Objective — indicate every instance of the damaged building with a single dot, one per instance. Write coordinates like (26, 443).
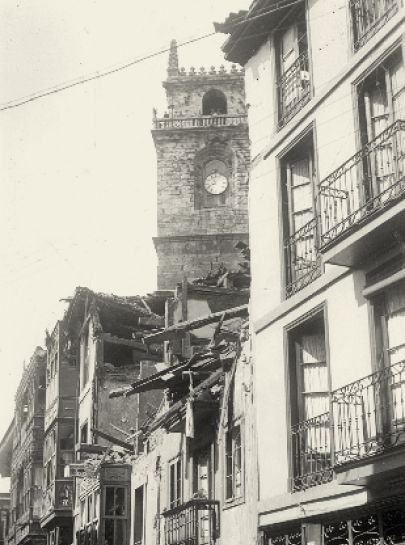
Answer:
(147, 402)
(27, 453)
(196, 481)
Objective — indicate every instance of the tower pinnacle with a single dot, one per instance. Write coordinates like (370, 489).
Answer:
(173, 68)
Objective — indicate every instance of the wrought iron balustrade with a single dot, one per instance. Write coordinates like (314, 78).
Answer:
(294, 89)
(302, 258)
(199, 121)
(311, 449)
(369, 16)
(369, 415)
(369, 181)
(193, 523)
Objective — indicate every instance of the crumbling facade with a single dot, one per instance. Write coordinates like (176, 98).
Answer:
(202, 148)
(196, 480)
(62, 372)
(26, 466)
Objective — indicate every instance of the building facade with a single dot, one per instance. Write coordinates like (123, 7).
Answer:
(327, 233)
(26, 463)
(202, 149)
(62, 373)
(196, 480)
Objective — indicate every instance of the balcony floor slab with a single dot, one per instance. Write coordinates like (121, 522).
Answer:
(384, 469)
(367, 239)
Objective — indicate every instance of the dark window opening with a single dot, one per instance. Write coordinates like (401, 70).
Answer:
(214, 103)
(138, 520)
(84, 433)
(24, 408)
(120, 356)
(86, 357)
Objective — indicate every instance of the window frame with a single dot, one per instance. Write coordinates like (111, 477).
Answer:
(177, 497)
(296, 18)
(293, 411)
(229, 459)
(115, 517)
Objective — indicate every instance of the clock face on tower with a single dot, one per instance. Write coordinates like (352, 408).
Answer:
(215, 183)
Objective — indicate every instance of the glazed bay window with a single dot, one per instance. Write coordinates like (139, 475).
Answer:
(115, 515)
(368, 16)
(299, 217)
(233, 463)
(293, 83)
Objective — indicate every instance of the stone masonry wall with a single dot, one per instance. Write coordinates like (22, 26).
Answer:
(177, 211)
(184, 94)
(193, 257)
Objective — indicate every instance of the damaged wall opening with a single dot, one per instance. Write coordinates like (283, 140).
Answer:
(120, 356)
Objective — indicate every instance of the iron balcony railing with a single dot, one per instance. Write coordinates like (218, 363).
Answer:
(193, 523)
(302, 258)
(311, 450)
(369, 415)
(369, 16)
(365, 184)
(199, 121)
(294, 89)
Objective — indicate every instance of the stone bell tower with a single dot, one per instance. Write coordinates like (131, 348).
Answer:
(202, 147)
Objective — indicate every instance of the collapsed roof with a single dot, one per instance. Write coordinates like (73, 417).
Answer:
(119, 316)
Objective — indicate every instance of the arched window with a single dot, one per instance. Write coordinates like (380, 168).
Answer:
(214, 102)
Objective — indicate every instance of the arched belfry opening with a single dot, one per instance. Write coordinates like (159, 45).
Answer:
(214, 102)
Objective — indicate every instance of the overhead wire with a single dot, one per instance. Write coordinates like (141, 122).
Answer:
(107, 72)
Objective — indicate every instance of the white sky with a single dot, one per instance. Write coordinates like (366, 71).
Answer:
(78, 168)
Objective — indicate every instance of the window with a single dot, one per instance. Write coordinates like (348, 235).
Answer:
(115, 515)
(202, 473)
(66, 447)
(233, 463)
(299, 216)
(214, 102)
(309, 397)
(386, 416)
(368, 17)
(85, 357)
(138, 518)
(293, 84)
(377, 527)
(175, 483)
(84, 435)
(381, 103)
(293, 537)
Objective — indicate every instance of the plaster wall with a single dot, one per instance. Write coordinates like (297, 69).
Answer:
(265, 237)
(261, 97)
(329, 50)
(349, 359)
(334, 120)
